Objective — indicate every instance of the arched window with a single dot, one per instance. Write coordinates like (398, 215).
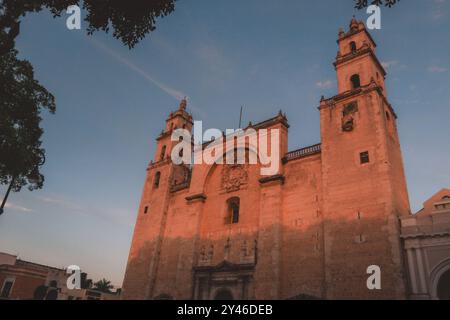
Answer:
(157, 178)
(355, 80)
(388, 117)
(163, 153)
(353, 46)
(233, 206)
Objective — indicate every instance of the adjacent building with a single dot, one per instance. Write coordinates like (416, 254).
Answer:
(19, 279)
(426, 237)
(24, 280)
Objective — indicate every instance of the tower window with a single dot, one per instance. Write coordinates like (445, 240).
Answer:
(146, 210)
(355, 80)
(364, 157)
(233, 206)
(353, 46)
(388, 116)
(163, 153)
(157, 178)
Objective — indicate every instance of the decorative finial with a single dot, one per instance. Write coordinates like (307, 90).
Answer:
(183, 104)
(354, 24)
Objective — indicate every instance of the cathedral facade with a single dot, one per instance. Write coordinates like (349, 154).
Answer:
(311, 230)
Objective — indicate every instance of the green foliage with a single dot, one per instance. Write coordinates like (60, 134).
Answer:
(22, 101)
(22, 98)
(130, 21)
(103, 286)
(360, 4)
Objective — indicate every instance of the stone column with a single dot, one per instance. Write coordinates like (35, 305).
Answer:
(412, 270)
(421, 271)
(267, 273)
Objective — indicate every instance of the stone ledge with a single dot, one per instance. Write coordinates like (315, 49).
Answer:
(278, 177)
(197, 197)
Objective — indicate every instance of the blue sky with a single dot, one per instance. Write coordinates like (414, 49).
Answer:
(264, 54)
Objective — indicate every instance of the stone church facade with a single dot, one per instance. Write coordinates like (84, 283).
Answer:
(311, 230)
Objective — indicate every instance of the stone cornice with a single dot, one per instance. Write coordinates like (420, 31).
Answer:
(153, 165)
(359, 53)
(164, 134)
(196, 197)
(326, 103)
(186, 116)
(279, 177)
(353, 32)
(280, 118)
(424, 235)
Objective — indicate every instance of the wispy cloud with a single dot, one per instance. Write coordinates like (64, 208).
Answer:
(389, 64)
(176, 94)
(120, 217)
(437, 69)
(438, 11)
(16, 207)
(325, 84)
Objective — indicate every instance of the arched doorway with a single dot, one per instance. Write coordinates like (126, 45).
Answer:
(223, 294)
(443, 289)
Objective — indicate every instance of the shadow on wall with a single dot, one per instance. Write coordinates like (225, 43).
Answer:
(275, 262)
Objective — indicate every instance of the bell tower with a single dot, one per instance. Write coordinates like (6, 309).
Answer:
(162, 176)
(179, 119)
(356, 63)
(364, 186)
